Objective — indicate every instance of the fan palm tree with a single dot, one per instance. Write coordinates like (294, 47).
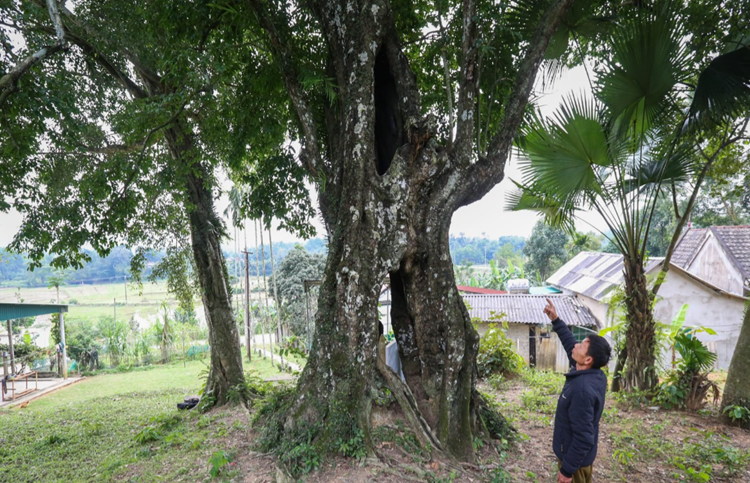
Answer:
(615, 153)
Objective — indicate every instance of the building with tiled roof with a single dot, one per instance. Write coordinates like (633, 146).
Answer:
(706, 273)
(719, 255)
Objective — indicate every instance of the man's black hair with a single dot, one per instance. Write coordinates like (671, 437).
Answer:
(599, 351)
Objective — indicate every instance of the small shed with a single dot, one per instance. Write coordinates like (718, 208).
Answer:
(530, 328)
(9, 311)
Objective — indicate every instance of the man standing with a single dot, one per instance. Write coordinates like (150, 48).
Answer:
(581, 403)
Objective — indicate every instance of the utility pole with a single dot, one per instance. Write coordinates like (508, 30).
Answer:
(10, 347)
(262, 322)
(265, 288)
(276, 304)
(248, 336)
(125, 282)
(61, 322)
(115, 310)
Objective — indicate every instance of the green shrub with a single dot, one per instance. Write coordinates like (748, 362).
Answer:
(216, 462)
(546, 382)
(688, 384)
(738, 414)
(496, 381)
(497, 354)
(536, 400)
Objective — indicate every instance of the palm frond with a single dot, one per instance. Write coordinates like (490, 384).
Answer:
(525, 15)
(564, 154)
(649, 59)
(723, 88)
(661, 166)
(557, 212)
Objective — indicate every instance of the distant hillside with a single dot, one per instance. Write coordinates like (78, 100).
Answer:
(482, 250)
(115, 267)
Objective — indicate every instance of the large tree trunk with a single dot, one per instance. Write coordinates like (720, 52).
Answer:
(397, 227)
(389, 195)
(206, 230)
(640, 342)
(737, 388)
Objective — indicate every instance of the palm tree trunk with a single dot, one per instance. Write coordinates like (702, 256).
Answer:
(640, 338)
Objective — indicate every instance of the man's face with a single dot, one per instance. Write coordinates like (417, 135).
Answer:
(580, 352)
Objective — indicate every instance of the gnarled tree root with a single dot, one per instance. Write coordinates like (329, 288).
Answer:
(408, 404)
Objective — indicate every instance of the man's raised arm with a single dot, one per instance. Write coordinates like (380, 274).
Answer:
(563, 332)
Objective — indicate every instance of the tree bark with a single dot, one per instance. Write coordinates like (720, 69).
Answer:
(640, 338)
(737, 388)
(206, 230)
(389, 195)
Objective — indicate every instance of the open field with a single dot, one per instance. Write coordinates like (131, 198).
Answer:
(95, 301)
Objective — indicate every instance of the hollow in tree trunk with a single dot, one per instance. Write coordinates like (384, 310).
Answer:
(387, 199)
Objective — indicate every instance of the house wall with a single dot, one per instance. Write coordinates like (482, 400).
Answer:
(714, 266)
(598, 309)
(518, 333)
(721, 313)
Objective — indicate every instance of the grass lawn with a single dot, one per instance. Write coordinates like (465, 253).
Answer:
(90, 431)
(155, 378)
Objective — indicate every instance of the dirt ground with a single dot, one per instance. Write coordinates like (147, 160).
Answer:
(636, 444)
(651, 429)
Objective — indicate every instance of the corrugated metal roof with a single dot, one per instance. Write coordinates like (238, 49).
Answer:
(19, 311)
(467, 289)
(593, 274)
(529, 309)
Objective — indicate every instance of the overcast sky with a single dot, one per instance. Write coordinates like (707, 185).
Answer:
(487, 217)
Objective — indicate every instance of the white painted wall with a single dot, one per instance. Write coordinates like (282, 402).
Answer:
(714, 266)
(598, 309)
(722, 313)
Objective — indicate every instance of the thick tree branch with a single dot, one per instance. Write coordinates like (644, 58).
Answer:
(128, 84)
(148, 75)
(480, 177)
(312, 159)
(468, 84)
(54, 15)
(728, 140)
(9, 81)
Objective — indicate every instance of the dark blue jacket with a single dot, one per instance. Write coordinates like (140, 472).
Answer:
(579, 409)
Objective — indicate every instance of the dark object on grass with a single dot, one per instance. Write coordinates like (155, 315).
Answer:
(190, 402)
